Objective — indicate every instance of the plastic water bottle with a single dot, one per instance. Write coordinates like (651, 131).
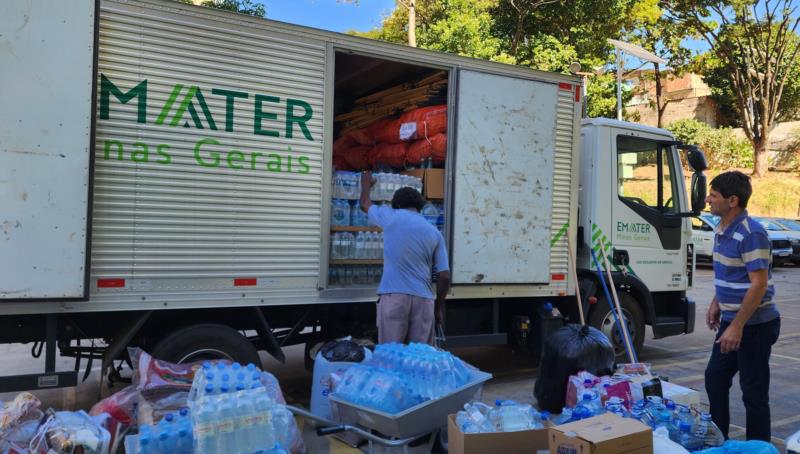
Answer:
(205, 434)
(665, 420)
(225, 415)
(709, 432)
(361, 240)
(684, 414)
(465, 424)
(687, 439)
(183, 444)
(244, 422)
(430, 213)
(264, 430)
(281, 423)
(565, 417)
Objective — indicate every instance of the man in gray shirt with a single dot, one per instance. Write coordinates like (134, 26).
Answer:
(412, 249)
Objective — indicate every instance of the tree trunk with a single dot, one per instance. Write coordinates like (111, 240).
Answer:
(761, 158)
(412, 24)
(659, 108)
(517, 34)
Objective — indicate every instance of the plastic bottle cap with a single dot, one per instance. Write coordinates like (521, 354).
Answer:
(183, 411)
(209, 388)
(498, 402)
(237, 366)
(207, 365)
(144, 440)
(548, 306)
(163, 436)
(169, 417)
(224, 388)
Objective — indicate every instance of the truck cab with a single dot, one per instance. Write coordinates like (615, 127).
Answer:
(634, 207)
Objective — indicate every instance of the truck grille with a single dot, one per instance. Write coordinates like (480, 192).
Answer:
(781, 244)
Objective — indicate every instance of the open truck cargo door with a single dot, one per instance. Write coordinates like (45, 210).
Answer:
(503, 179)
(46, 147)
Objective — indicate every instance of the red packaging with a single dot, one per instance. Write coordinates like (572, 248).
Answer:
(434, 147)
(421, 123)
(392, 155)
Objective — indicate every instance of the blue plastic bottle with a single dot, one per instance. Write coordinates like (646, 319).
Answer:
(687, 439)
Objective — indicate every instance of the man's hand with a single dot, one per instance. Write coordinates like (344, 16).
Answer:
(438, 312)
(366, 179)
(713, 315)
(730, 339)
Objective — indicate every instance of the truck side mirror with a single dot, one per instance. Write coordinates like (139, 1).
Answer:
(696, 158)
(698, 192)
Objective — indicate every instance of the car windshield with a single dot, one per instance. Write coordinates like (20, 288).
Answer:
(790, 224)
(769, 225)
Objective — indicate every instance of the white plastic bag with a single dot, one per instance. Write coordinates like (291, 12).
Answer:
(663, 445)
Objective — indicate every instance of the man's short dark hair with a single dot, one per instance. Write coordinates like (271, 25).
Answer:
(408, 198)
(733, 183)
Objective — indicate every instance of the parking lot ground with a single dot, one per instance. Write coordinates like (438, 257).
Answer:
(681, 358)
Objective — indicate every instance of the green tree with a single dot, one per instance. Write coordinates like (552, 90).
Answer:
(660, 34)
(238, 6)
(755, 42)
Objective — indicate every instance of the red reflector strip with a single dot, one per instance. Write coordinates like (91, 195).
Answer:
(558, 277)
(577, 93)
(565, 86)
(244, 281)
(110, 283)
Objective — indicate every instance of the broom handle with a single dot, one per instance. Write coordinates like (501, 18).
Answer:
(626, 336)
(574, 270)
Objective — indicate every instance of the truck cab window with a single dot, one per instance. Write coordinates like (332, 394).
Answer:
(644, 174)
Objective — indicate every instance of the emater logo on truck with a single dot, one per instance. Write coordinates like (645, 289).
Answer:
(207, 150)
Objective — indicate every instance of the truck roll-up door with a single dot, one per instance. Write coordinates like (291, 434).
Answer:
(47, 56)
(503, 179)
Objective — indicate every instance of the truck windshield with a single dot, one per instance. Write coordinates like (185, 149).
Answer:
(645, 173)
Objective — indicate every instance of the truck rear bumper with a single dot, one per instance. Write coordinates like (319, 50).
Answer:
(680, 322)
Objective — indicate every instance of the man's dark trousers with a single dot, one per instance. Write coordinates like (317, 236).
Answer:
(751, 361)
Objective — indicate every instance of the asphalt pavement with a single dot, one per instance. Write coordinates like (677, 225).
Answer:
(681, 358)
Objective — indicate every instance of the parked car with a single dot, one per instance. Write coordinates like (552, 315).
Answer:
(781, 238)
(792, 228)
(703, 235)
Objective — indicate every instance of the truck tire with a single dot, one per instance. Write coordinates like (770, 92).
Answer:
(602, 318)
(206, 341)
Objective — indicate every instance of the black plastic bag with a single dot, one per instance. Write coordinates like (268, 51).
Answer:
(567, 351)
(342, 350)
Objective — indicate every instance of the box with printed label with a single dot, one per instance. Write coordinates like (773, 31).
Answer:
(432, 182)
(604, 434)
(522, 442)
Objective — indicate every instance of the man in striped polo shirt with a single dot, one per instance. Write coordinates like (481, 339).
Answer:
(742, 311)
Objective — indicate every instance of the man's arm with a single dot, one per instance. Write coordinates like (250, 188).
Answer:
(732, 337)
(366, 185)
(713, 315)
(442, 287)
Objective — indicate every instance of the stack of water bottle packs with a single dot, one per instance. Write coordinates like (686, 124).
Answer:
(230, 411)
(505, 416)
(399, 376)
(694, 431)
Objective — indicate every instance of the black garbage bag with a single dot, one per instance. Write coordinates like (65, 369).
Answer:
(567, 351)
(342, 350)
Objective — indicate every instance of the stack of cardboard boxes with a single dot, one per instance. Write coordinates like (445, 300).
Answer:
(603, 434)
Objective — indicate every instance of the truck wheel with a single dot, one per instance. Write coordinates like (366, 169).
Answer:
(206, 341)
(603, 319)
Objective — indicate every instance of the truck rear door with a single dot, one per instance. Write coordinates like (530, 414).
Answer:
(46, 146)
(503, 179)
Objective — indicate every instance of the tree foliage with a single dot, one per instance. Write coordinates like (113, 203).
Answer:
(756, 44)
(723, 149)
(238, 6)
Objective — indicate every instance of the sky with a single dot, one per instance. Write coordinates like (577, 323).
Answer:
(333, 15)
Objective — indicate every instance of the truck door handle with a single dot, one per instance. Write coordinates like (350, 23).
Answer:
(620, 257)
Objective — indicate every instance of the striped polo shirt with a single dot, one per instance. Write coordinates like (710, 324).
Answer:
(742, 247)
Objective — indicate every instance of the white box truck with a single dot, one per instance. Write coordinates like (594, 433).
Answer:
(166, 175)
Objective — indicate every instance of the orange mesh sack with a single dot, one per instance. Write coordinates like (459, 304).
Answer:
(343, 143)
(363, 136)
(339, 163)
(389, 154)
(423, 122)
(434, 147)
(358, 158)
(385, 131)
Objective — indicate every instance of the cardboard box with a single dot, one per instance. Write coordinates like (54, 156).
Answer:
(432, 182)
(604, 434)
(522, 442)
